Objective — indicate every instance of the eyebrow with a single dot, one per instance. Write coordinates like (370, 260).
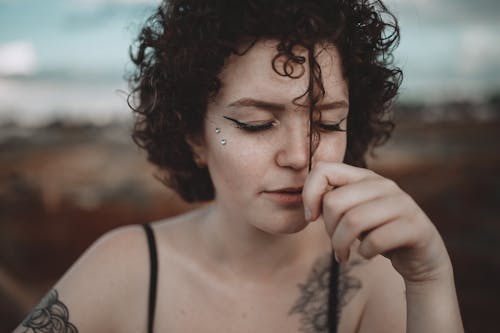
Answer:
(269, 106)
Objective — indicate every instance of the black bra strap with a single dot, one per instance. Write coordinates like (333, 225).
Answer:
(333, 313)
(153, 276)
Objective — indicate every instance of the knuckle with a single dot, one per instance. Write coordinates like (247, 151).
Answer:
(408, 198)
(390, 184)
(351, 221)
(408, 202)
(427, 230)
(419, 235)
(370, 174)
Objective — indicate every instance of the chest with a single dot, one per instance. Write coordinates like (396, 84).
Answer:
(192, 305)
(213, 310)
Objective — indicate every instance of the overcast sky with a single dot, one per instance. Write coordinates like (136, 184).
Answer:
(450, 49)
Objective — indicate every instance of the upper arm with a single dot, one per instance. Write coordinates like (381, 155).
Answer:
(102, 290)
(385, 308)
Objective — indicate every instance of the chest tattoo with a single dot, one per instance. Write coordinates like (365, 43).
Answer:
(51, 315)
(312, 304)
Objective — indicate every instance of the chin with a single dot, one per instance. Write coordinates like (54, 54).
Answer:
(296, 228)
(284, 226)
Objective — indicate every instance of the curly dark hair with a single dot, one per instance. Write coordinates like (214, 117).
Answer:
(184, 45)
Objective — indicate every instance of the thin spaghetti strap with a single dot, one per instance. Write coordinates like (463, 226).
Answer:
(153, 276)
(333, 313)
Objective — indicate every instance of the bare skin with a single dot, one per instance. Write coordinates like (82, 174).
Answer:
(255, 259)
(193, 286)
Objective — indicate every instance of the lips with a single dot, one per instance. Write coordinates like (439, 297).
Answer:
(290, 190)
(288, 196)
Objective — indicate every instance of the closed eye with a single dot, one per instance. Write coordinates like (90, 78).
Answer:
(261, 127)
(250, 127)
(332, 127)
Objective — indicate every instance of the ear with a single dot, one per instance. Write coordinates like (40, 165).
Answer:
(197, 145)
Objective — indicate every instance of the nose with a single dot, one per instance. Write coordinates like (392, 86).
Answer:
(293, 149)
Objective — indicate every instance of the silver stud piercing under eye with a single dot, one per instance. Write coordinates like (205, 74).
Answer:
(222, 141)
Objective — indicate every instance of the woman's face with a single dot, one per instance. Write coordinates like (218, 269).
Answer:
(256, 142)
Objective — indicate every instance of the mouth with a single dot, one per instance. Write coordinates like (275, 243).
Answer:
(288, 196)
(287, 190)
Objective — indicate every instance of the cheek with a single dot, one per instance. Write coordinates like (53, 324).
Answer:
(331, 148)
(238, 164)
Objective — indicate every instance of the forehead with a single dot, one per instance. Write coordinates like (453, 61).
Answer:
(252, 75)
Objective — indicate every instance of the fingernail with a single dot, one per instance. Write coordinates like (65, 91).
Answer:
(307, 213)
(336, 257)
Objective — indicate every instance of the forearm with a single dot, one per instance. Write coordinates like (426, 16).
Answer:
(433, 307)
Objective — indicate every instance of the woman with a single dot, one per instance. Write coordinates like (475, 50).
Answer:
(266, 109)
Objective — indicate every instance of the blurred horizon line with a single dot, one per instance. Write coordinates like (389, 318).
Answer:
(404, 112)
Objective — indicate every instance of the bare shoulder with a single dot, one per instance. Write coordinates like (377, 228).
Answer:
(384, 295)
(104, 290)
(180, 236)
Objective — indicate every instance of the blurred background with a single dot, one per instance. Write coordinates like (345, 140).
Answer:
(69, 171)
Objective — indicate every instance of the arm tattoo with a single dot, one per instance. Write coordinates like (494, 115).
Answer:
(312, 304)
(50, 316)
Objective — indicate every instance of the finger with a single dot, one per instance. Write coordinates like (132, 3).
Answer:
(322, 178)
(335, 203)
(396, 234)
(364, 219)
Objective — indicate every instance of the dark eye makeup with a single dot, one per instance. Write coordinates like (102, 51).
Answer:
(250, 127)
(255, 128)
(332, 127)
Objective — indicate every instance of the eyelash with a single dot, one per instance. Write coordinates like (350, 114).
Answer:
(332, 127)
(251, 128)
(256, 128)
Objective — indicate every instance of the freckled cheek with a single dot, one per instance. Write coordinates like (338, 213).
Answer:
(241, 163)
(331, 149)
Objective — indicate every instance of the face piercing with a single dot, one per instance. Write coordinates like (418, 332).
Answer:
(223, 142)
(217, 130)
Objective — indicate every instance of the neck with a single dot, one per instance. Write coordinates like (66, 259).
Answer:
(255, 255)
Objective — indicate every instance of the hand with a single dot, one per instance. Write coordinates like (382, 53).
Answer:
(358, 203)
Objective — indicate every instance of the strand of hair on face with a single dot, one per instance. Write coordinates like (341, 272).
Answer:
(311, 103)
